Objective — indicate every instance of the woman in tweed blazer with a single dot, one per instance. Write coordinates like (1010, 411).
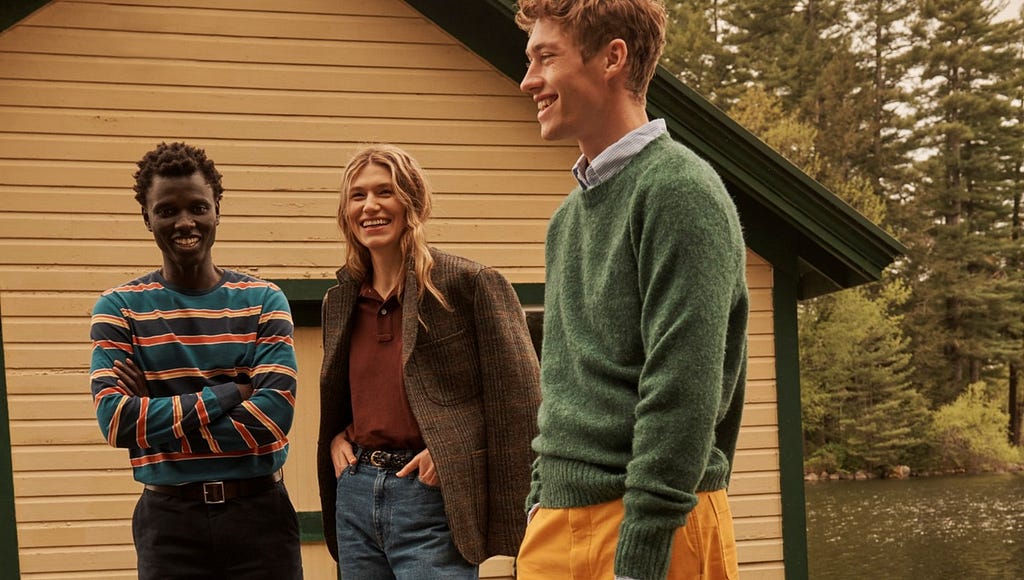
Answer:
(470, 377)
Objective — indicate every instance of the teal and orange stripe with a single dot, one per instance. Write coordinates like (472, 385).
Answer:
(109, 319)
(275, 339)
(184, 455)
(275, 368)
(177, 416)
(140, 425)
(204, 339)
(113, 344)
(264, 419)
(275, 315)
(188, 313)
(249, 284)
(193, 372)
(244, 433)
(135, 288)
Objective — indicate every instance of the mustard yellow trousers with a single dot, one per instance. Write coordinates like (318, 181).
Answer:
(579, 543)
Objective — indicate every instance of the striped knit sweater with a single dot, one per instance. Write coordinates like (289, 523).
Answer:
(194, 347)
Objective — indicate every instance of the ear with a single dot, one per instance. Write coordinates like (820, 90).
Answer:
(145, 218)
(615, 56)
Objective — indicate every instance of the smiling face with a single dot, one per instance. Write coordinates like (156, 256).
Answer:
(570, 93)
(183, 216)
(374, 212)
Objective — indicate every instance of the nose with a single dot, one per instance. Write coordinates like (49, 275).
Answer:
(531, 81)
(184, 222)
(372, 202)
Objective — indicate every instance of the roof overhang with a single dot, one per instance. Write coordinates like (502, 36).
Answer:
(836, 246)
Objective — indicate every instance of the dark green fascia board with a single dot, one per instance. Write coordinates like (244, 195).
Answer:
(839, 246)
(14, 11)
(785, 293)
(305, 296)
(825, 223)
(8, 523)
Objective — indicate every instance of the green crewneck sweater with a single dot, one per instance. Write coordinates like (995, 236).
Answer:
(644, 349)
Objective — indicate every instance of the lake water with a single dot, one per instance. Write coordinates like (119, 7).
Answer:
(966, 526)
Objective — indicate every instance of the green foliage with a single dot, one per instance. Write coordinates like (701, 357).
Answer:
(970, 433)
(859, 407)
(912, 111)
(965, 316)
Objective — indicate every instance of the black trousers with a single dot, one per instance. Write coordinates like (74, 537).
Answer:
(255, 537)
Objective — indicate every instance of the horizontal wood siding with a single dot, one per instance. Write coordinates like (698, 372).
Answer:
(279, 94)
(754, 492)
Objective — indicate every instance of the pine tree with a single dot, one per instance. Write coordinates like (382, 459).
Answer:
(963, 308)
(693, 49)
(855, 387)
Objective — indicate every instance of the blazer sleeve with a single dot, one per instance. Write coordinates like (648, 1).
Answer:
(510, 376)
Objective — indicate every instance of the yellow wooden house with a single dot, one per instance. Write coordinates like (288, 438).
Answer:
(279, 93)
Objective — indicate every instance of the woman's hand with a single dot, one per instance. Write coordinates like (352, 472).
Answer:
(425, 465)
(341, 454)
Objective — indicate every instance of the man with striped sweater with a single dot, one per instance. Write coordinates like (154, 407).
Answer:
(193, 371)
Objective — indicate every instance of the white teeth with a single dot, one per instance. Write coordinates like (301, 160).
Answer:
(187, 242)
(376, 222)
(545, 103)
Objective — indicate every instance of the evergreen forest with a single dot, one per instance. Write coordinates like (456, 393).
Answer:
(912, 111)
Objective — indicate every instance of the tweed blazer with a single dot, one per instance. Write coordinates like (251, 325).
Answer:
(472, 379)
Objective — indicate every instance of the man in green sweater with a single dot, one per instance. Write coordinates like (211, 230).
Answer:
(646, 304)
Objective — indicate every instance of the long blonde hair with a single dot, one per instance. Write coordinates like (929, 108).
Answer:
(410, 188)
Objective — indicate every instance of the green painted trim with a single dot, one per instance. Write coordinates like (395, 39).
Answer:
(530, 293)
(758, 171)
(8, 523)
(840, 246)
(311, 526)
(305, 296)
(791, 461)
(14, 11)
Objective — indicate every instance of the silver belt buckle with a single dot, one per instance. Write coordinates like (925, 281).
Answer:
(213, 492)
(379, 458)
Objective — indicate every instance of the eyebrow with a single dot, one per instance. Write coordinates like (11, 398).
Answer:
(539, 47)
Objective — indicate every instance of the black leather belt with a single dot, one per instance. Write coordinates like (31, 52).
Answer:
(384, 459)
(214, 492)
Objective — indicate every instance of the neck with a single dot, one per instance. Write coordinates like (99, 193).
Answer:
(388, 271)
(625, 116)
(199, 277)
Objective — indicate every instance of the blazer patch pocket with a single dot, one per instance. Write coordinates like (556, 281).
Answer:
(448, 369)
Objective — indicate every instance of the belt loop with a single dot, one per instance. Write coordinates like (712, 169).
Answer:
(359, 456)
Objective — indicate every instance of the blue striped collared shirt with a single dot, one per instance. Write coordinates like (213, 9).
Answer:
(617, 155)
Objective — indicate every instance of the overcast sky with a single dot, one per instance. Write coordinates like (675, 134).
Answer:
(1012, 9)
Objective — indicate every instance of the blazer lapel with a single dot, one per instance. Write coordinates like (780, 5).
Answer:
(410, 313)
(339, 317)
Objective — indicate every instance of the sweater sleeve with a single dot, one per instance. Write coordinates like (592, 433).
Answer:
(690, 254)
(216, 411)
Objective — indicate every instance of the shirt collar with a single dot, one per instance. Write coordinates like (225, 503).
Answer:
(610, 161)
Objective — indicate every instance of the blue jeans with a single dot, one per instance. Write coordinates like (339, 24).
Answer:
(394, 528)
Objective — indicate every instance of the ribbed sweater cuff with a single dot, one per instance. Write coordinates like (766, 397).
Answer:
(643, 552)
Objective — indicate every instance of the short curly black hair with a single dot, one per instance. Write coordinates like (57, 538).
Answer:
(175, 160)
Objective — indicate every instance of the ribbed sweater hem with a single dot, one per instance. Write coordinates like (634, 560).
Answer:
(570, 483)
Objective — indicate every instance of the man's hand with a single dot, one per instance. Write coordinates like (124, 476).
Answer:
(131, 377)
(425, 465)
(341, 454)
(245, 390)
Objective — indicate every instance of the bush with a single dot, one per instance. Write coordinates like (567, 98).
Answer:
(970, 433)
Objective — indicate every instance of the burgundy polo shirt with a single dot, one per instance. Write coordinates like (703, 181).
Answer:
(381, 416)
